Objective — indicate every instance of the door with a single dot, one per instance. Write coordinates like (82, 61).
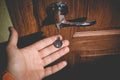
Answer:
(85, 42)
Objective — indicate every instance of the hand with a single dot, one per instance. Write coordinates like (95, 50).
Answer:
(29, 63)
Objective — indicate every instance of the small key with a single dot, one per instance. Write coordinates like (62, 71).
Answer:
(58, 43)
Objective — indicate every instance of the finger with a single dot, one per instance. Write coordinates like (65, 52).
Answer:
(50, 49)
(53, 57)
(55, 68)
(45, 42)
(13, 39)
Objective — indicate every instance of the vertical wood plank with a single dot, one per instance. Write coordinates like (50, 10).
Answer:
(21, 12)
(105, 12)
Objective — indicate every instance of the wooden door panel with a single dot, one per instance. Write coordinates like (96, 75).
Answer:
(104, 12)
(102, 40)
(21, 13)
(28, 15)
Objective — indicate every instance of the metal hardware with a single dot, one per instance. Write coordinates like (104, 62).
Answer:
(58, 43)
(56, 15)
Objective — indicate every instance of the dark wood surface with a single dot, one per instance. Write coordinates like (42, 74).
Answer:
(27, 17)
(94, 57)
(22, 16)
(104, 68)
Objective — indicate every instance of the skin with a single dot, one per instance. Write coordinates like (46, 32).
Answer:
(29, 63)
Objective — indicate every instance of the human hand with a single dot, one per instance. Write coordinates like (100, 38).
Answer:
(29, 63)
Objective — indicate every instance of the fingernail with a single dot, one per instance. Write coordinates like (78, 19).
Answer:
(65, 63)
(67, 42)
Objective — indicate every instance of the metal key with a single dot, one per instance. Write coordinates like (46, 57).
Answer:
(58, 43)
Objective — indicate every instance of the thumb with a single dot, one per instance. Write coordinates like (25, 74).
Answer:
(13, 38)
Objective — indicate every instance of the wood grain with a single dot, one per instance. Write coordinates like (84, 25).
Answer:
(103, 38)
(96, 33)
(21, 13)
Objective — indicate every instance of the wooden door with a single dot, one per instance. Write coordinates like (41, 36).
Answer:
(86, 43)
(97, 40)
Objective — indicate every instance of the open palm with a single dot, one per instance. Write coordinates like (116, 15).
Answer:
(29, 63)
